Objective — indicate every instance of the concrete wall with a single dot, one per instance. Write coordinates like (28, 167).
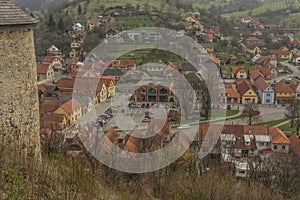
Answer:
(19, 115)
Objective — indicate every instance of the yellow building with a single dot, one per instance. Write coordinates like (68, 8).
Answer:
(285, 92)
(247, 93)
(72, 110)
(110, 85)
(252, 49)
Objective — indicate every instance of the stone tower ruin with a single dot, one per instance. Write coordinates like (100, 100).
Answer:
(19, 115)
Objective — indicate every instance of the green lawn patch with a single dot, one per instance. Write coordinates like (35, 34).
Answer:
(271, 123)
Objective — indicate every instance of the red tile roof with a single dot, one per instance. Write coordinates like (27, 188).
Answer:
(254, 73)
(295, 42)
(232, 91)
(133, 143)
(253, 39)
(65, 83)
(261, 84)
(48, 59)
(279, 52)
(49, 105)
(70, 106)
(278, 137)
(283, 87)
(42, 68)
(236, 69)
(251, 46)
(243, 87)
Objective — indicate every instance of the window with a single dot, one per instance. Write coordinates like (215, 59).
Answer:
(283, 147)
(275, 146)
(268, 95)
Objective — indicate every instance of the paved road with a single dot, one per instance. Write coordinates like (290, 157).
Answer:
(292, 68)
(267, 113)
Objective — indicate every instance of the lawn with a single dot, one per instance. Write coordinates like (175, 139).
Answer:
(287, 129)
(297, 35)
(222, 113)
(271, 123)
(133, 22)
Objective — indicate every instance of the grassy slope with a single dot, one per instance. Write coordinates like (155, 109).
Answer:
(268, 5)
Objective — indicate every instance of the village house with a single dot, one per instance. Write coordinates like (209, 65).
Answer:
(75, 45)
(231, 95)
(207, 47)
(72, 110)
(265, 91)
(92, 24)
(297, 92)
(268, 73)
(194, 22)
(45, 73)
(73, 53)
(123, 64)
(247, 93)
(75, 34)
(77, 27)
(209, 33)
(245, 19)
(73, 66)
(282, 54)
(53, 51)
(238, 72)
(285, 92)
(110, 33)
(110, 85)
(254, 41)
(240, 144)
(252, 49)
(54, 62)
(65, 84)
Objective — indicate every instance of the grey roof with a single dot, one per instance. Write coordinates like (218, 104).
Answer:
(10, 14)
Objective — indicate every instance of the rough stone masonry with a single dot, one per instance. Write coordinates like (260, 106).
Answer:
(19, 115)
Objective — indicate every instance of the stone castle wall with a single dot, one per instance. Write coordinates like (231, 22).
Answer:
(19, 115)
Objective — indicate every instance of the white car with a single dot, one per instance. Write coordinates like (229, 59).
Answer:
(184, 126)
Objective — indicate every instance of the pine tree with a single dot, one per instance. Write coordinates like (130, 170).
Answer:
(51, 22)
(79, 10)
(60, 25)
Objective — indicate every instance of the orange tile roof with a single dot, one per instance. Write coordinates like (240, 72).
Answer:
(42, 68)
(278, 137)
(70, 106)
(236, 69)
(232, 91)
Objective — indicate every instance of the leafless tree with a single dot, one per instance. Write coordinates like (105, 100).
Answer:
(251, 113)
(293, 113)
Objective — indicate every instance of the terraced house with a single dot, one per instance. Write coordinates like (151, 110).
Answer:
(247, 92)
(285, 92)
(242, 145)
